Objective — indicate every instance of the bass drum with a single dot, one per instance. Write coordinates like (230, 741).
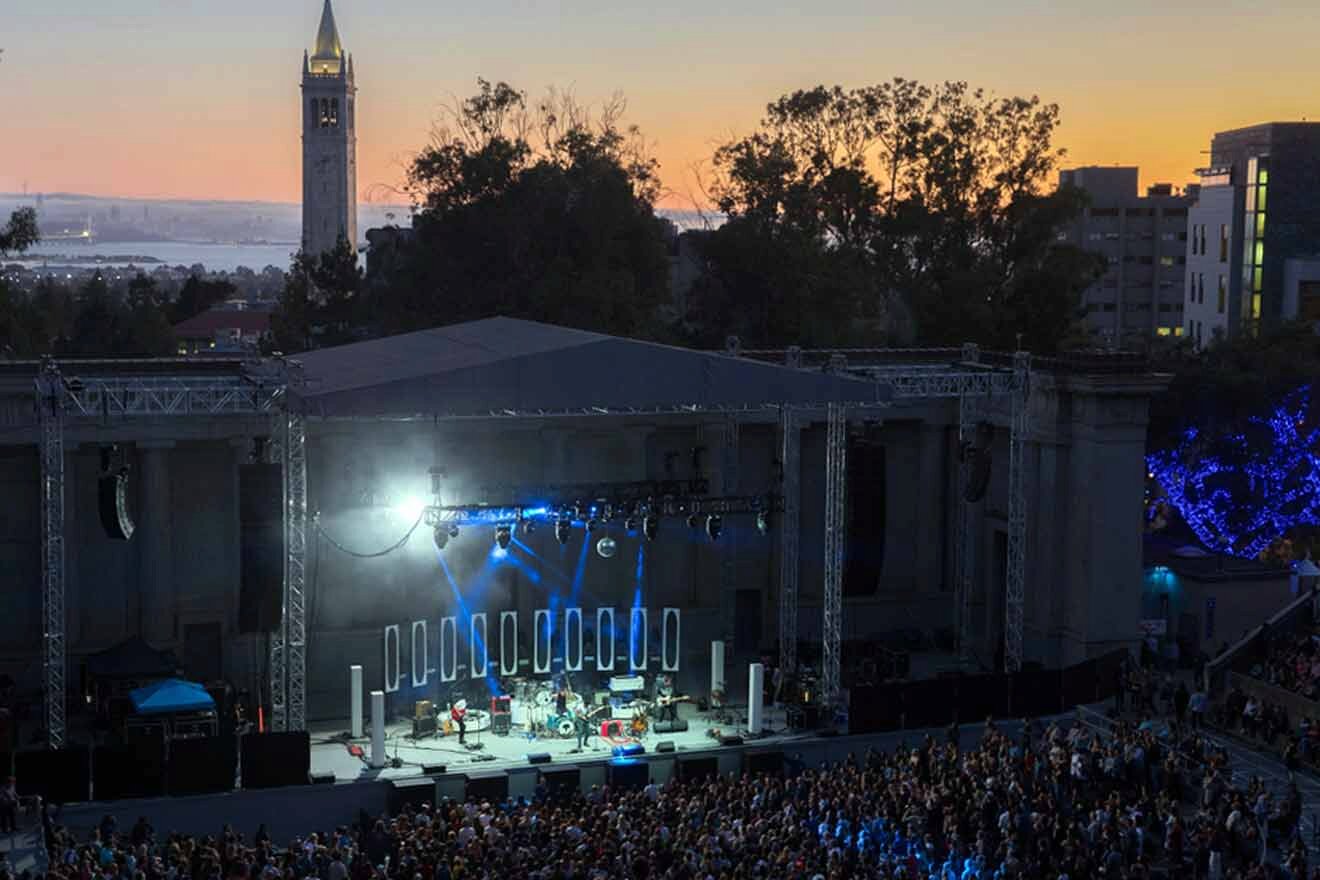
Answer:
(564, 727)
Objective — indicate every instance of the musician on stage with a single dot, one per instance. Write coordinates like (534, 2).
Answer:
(582, 727)
(458, 712)
(561, 699)
(663, 697)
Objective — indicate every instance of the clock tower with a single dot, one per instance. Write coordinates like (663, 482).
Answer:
(329, 142)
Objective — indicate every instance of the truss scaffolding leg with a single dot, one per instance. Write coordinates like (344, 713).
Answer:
(790, 462)
(279, 690)
(295, 629)
(1017, 515)
(50, 402)
(836, 453)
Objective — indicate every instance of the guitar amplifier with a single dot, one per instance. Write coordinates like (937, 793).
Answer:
(422, 709)
(501, 705)
(500, 723)
(424, 727)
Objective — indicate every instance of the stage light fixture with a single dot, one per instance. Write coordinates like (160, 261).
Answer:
(411, 508)
(606, 547)
(763, 522)
(694, 520)
(650, 525)
(630, 524)
(563, 531)
(503, 536)
(453, 531)
(441, 537)
(592, 525)
(526, 526)
(715, 527)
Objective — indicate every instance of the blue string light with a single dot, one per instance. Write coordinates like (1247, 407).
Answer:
(1241, 492)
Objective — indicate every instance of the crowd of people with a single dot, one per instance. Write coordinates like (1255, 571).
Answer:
(1056, 802)
(1293, 664)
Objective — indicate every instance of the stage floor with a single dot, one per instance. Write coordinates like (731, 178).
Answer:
(333, 750)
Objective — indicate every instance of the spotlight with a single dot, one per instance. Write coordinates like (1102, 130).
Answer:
(714, 526)
(630, 524)
(441, 537)
(503, 536)
(694, 521)
(411, 508)
(453, 531)
(526, 526)
(763, 522)
(592, 525)
(563, 530)
(606, 547)
(650, 525)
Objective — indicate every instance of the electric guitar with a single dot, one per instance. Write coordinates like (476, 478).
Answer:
(669, 701)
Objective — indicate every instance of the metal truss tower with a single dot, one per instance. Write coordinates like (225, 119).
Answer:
(288, 642)
(791, 464)
(836, 469)
(50, 413)
(64, 400)
(1017, 513)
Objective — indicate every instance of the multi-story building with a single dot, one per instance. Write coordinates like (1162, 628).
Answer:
(1253, 255)
(1142, 238)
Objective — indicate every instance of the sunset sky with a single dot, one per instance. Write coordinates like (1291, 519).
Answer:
(199, 98)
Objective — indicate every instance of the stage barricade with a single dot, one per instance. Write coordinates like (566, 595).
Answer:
(273, 760)
(875, 708)
(981, 697)
(928, 703)
(697, 767)
(562, 781)
(1036, 692)
(1080, 683)
(204, 765)
(411, 793)
(628, 773)
(60, 777)
(129, 771)
(493, 787)
(769, 762)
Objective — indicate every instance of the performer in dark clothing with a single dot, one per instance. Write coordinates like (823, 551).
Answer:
(667, 708)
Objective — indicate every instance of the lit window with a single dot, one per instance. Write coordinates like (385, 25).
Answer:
(1166, 331)
(1259, 256)
(1260, 224)
(1223, 243)
(1166, 261)
(1177, 331)
(1255, 306)
(1260, 198)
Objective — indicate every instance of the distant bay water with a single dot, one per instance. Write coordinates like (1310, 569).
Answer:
(213, 256)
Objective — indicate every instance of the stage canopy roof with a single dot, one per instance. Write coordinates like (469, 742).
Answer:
(505, 366)
(169, 696)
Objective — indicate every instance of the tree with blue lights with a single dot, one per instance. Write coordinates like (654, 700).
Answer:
(1242, 490)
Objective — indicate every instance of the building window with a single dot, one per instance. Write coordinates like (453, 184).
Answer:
(1175, 212)
(1095, 236)
(1104, 212)
(1164, 331)
(1200, 288)
(1109, 307)
(1223, 295)
(1166, 261)
(1223, 242)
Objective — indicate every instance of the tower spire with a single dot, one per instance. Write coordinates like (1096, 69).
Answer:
(327, 45)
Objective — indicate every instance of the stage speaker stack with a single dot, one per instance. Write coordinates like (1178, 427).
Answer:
(112, 502)
(261, 547)
(717, 667)
(755, 696)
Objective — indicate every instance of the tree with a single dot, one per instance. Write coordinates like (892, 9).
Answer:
(20, 233)
(320, 303)
(199, 294)
(544, 212)
(902, 209)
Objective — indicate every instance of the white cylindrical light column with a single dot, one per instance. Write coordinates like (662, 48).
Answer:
(755, 687)
(717, 669)
(377, 728)
(355, 700)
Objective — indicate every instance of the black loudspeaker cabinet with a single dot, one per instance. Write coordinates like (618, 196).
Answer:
(493, 788)
(112, 503)
(764, 762)
(696, 768)
(679, 726)
(562, 780)
(261, 547)
(538, 758)
(666, 745)
(60, 777)
(203, 765)
(272, 760)
(499, 724)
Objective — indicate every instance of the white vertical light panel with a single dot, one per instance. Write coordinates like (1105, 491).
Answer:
(508, 643)
(671, 632)
(572, 635)
(377, 729)
(717, 669)
(478, 654)
(355, 701)
(637, 627)
(755, 688)
(448, 648)
(393, 674)
(604, 631)
(541, 621)
(424, 653)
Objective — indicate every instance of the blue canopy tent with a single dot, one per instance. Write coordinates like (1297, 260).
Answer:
(171, 697)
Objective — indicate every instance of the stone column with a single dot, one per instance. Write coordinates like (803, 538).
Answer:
(158, 602)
